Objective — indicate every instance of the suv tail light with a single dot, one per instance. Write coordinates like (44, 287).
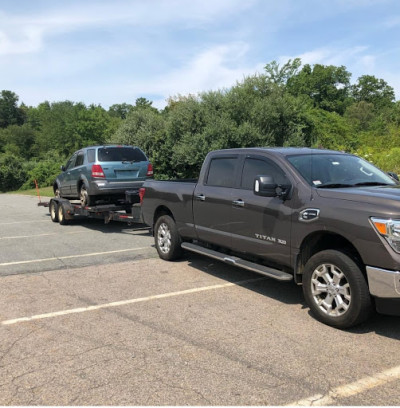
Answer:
(142, 190)
(149, 170)
(97, 171)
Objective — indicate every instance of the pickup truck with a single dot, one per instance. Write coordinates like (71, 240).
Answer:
(328, 220)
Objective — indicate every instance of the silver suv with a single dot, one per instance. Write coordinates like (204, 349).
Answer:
(100, 172)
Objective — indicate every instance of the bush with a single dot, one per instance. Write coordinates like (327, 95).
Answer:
(44, 172)
(12, 172)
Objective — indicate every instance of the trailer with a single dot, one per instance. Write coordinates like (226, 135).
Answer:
(128, 210)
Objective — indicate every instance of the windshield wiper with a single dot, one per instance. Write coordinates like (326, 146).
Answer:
(334, 185)
(372, 183)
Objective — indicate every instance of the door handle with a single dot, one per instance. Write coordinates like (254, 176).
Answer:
(238, 203)
(201, 197)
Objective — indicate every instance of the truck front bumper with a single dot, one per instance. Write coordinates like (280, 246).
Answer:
(384, 285)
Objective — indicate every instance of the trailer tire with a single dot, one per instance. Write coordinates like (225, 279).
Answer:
(61, 215)
(53, 209)
(167, 239)
(336, 290)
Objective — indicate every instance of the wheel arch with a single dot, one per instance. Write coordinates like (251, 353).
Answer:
(160, 211)
(322, 240)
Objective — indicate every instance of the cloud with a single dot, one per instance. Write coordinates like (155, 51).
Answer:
(215, 68)
(26, 33)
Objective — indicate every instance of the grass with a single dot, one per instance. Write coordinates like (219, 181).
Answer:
(44, 192)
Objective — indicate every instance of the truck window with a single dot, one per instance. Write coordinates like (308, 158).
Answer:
(221, 172)
(260, 167)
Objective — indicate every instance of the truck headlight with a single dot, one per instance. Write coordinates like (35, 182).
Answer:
(390, 230)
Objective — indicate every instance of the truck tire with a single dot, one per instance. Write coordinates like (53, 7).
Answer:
(167, 239)
(53, 209)
(336, 290)
(61, 214)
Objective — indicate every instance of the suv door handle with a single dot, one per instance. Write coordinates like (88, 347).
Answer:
(238, 203)
(201, 197)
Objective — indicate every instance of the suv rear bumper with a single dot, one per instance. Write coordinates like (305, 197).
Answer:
(384, 285)
(105, 187)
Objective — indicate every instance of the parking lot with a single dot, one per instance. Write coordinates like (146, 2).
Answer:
(91, 316)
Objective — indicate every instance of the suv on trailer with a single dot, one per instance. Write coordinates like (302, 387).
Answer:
(102, 172)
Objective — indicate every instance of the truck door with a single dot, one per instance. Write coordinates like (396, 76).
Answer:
(212, 201)
(261, 225)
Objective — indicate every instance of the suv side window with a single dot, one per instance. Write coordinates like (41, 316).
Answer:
(79, 159)
(91, 155)
(70, 163)
(260, 167)
(221, 172)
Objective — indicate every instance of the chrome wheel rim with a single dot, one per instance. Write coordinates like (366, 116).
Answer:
(164, 238)
(60, 213)
(53, 211)
(331, 290)
(82, 197)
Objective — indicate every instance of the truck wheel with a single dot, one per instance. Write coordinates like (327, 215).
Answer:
(53, 209)
(336, 290)
(167, 239)
(61, 215)
(85, 199)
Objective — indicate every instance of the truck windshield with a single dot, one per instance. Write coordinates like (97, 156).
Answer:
(338, 170)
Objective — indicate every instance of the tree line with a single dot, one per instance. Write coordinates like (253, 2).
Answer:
(286, 105)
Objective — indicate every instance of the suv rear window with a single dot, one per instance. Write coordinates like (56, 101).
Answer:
(119, 154)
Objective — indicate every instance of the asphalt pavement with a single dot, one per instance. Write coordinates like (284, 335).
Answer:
(89, 315)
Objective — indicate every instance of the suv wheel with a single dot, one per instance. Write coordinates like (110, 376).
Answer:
(85, 199)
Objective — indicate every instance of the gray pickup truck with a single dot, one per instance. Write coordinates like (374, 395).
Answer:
(328, 220)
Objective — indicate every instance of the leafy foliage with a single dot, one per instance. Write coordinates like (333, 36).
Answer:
(286, 105)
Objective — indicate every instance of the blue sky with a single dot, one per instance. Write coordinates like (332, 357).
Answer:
(106, 52)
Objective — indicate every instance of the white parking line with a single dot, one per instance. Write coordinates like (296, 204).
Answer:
(22, 222)
(127, 302)
(58, 258)
(43, 235)
(352, 389)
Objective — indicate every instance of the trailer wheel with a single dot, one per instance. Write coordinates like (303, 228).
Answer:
(336, 290)
(61, 215)
(167, 239)
(53, 209)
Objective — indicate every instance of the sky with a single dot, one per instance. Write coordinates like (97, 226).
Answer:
(107, 52)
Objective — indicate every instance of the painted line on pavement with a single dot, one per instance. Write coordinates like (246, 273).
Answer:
(349, 390)
(59, 258)
(127, 302)
(22, 222)
(44, 235)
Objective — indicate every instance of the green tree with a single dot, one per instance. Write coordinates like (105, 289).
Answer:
(120, 110)
(373, 90)
(280, 75)
(18, 140)
(12, 172)
(327, 86)
(10, 113)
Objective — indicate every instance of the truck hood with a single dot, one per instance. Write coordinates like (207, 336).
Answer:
(376, 195)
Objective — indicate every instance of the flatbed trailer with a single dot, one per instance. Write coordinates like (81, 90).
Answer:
(63, 210)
